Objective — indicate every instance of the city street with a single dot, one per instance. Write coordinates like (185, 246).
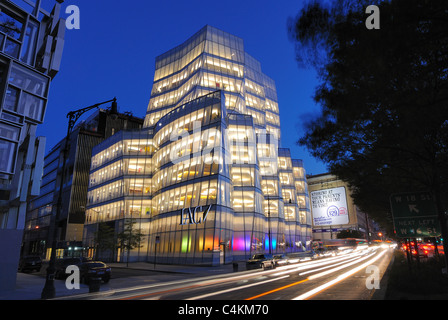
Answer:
(342, 277)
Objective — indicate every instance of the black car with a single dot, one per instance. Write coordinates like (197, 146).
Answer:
(30, 263)
(94, 269)
(260, 260)
(62, 264)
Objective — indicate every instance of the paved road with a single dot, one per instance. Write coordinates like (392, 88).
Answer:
(351, 276)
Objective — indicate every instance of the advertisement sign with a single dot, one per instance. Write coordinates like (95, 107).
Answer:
(329, 207)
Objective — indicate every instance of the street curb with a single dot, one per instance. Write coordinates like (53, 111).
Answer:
(151, 270)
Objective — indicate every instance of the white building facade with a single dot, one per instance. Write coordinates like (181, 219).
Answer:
(205, 181)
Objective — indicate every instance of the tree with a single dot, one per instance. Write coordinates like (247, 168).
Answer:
(344, 234)
(104, 239)
(384, 97)
(130, 238)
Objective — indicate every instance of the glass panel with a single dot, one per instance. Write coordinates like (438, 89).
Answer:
(31, 106)
(29, 42)
(7, 155)
(11, 117)
(10, 25)
(12, 48)
(28, 80)
(12, 96)
(3, 70)
(9, 132)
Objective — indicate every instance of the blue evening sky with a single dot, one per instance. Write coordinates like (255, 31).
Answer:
(113, 55)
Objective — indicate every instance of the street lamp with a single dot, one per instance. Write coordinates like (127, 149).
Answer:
(49, 291)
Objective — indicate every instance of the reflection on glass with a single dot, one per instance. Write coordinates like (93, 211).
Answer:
(12, 96)
(9, 132)
(10, 25)
(31, 106)
(12, 48)
(29, 42)
(28, 80)
(7, 153)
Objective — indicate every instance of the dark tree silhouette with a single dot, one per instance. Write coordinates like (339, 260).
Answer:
(383, 126)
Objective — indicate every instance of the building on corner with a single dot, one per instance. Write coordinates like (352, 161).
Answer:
(205, 180)
(333, 209)
(31, 45)
(38, 234)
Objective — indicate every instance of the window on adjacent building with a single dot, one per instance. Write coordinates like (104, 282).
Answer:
(11, 25)
(9, 132)
(7, 156)
(29, 42)
(11, 99)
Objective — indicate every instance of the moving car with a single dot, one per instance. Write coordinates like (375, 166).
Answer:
(261, 260)
(301, 256)
(94, 269)
(280, 260)
(30, 263)
(62, 264)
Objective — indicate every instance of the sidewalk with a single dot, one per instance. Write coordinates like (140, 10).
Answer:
(29, 286)
(199, 270)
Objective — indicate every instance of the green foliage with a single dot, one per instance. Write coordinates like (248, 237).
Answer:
(104, 239)
(384, 97)
(344, 234)
(423, 278)
(130, 238)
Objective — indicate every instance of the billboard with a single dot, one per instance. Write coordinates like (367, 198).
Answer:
(329, 207)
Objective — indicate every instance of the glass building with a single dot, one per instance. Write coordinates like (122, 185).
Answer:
(41, 211)
(31, 46)
(205, 181)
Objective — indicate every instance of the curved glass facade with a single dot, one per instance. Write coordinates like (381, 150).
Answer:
(206, 180)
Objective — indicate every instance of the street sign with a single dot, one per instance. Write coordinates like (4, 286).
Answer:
(415, 215)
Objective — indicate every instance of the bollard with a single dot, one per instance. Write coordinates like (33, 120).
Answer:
(235, 267)
(94, 284)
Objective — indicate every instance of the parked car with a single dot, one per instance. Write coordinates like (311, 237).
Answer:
(94, 269)
(260, 260)
(30, 263)
(62, 264)
(280, 260)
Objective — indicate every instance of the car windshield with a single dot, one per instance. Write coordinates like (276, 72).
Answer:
(258, 256)
(95, 265)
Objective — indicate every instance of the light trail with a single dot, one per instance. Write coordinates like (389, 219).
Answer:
(187, 284)
(313, 264)
(343, 276)
(234, 289)
(342, 265)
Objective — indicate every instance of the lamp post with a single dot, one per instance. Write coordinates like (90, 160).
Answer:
(49, 291)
